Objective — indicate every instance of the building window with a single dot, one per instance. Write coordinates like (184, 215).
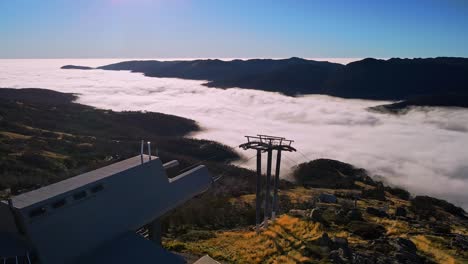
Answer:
(79, 195)
(97, 188)
(37, 212)
(59, 203)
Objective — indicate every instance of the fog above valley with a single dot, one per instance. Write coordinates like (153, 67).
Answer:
(425, 151)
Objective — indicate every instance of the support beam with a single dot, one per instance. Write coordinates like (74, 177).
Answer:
(268, 184)
(276, 185)
(258, 191)
(155, 233)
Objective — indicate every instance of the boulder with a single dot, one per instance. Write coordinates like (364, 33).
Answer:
(400, 211)
(366, 230)
(325, 241)
(316, 215)
(341, 217)
(354, 215)
(376, 212)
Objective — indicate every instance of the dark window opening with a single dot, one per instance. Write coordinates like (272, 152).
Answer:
(80, 195)
(37, 212)
(59, 203)
(97, 188)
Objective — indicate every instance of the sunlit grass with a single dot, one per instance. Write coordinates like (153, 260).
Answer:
(54, 155)
(12, 135)
(290, 239)
(434, 249)
(285, 241)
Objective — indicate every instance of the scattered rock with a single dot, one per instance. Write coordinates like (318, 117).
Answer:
(405, 244)
(342, 243)
(354, 215)
(385, 250)
(325, 241)
(400, 211)
(298, 213)
(366, 230)
(440, 228)
(316, 215)
(460, 242)
(376, 212)
(405, 251)
(338, 256)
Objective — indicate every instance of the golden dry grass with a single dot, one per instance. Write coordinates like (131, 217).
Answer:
(284, 241)
(60, 134)
(53, 155)
(436, 250)
(247, 198)
(12, 135)
(364, 186)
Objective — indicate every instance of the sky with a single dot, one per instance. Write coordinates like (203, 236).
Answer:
(233, 28)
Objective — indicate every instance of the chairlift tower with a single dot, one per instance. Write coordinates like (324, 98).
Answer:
(265, 143)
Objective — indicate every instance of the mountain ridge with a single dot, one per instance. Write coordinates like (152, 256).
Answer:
(369, 78)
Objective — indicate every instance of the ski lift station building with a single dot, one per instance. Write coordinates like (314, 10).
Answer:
(93, 217)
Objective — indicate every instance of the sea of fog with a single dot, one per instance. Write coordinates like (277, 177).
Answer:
(425, 151)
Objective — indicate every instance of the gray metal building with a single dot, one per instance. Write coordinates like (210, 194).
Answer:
(93, 217)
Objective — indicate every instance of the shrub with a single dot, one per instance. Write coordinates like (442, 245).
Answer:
(196, 235)
(399, 192)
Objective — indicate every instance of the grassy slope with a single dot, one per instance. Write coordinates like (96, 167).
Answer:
(44, 138)
(290, 239)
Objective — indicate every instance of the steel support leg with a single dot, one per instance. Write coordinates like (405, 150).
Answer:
(258, 201)
(268, 183)
(276, 185)
(154, 229)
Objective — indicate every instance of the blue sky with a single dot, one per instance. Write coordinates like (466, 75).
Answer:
(227, 29)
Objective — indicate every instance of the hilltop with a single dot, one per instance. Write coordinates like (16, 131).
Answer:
(392, 79)
(46, 137)
(404, 106)
(369, 223)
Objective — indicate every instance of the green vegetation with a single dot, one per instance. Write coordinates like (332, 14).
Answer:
(45, 137)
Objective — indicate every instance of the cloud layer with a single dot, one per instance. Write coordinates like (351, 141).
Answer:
(425, 151)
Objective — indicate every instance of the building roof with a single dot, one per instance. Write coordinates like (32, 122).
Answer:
(206, 260)
(62, 187)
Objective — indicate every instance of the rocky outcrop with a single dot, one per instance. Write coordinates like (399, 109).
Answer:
(400, 212)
